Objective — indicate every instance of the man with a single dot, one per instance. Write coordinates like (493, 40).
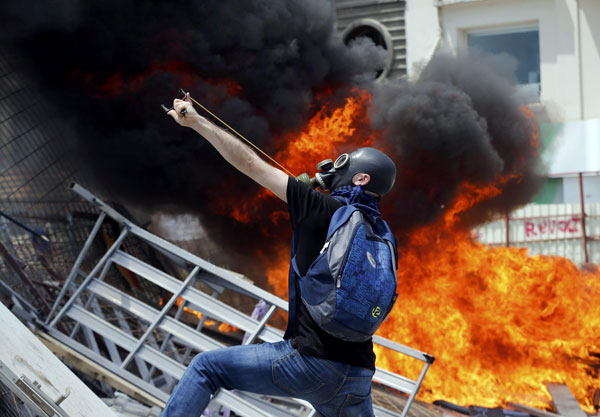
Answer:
(332, 374)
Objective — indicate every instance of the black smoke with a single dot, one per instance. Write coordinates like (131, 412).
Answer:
(460, 122)
(107, 65)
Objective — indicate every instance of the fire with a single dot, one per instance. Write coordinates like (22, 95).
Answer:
(499, 321)
(328, 132)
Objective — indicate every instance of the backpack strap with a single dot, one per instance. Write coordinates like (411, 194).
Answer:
(294, 266)
(340, 216)
(341, 199)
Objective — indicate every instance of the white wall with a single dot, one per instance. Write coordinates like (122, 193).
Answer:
(569, 34)
(590, 56)
(423, 33)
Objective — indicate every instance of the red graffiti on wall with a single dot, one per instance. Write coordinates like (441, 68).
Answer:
(552, 226)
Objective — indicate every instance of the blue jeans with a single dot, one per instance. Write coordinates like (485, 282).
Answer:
(333, 388)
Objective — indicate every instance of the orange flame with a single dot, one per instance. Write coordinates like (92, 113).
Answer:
(327, 132)
(501, 322)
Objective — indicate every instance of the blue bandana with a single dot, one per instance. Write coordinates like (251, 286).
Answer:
(356, 196)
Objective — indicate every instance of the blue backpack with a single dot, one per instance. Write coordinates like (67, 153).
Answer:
(350, 287)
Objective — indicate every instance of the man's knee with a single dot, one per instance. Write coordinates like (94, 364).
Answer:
(204, 371)
(199, 361)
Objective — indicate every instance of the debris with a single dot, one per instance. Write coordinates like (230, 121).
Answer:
(386, 402)
(458, 408)
(96, 371)
(533, 411)
(476, 411)
(22, 226)
(39, 378)
(564, 401)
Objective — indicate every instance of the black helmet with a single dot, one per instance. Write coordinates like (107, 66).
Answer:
(378, 165)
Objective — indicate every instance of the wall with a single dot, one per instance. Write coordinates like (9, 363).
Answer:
(590, 56)
(421, 44)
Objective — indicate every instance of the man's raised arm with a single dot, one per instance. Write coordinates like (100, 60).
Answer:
(237, 153)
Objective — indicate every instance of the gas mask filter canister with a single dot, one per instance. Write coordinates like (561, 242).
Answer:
(326, 172)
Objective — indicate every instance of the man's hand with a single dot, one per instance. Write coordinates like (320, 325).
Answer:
(183, 112)
(231, 148)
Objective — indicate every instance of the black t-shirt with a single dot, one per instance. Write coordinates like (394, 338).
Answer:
(311, 212)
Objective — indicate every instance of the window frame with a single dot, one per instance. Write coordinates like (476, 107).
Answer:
(523, 89)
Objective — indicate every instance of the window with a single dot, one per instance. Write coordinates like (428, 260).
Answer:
(522, 44)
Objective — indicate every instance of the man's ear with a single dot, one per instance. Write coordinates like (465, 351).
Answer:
(361, 179)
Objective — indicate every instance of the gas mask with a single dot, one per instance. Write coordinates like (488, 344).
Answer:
(326, 173)
(331, 175)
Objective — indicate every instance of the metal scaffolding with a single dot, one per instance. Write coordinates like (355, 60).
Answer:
(148, 342)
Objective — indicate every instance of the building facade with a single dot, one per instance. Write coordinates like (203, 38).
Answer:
(556, 44)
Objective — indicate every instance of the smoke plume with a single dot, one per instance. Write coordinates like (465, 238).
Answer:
(265, 67)
(459, 122)
(107, 65)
